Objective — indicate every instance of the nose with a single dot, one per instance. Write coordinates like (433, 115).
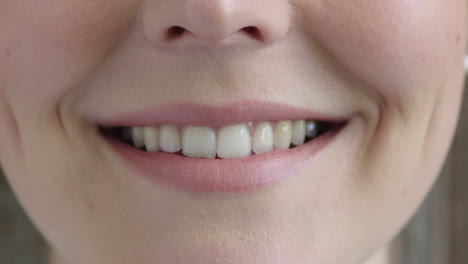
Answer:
(188, 23)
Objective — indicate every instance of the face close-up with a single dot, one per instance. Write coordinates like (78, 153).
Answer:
(236, 131)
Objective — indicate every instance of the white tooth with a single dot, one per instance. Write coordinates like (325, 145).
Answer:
(311, 129)
(234, 142)
(137, 137)
(283, 134)
(298, 132)
(262, 140)
(151, 139)
(169, 138)
(199, 142)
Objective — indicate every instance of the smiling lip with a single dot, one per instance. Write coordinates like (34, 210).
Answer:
(220, 175)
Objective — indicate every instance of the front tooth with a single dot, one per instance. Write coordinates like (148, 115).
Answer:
(169, 139)
(311, 129)
(283, 134)
(151, 139)
(138, 137)
(199, 142)
(262, 141)
(234, 142)
(298, 132)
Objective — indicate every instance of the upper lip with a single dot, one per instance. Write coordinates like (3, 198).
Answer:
(197, 114)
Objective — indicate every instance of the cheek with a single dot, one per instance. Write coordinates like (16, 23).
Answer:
(50, 47)
(47, 48)
(399, 48)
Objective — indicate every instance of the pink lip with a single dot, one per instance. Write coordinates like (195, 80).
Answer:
(219, 175)
(216, 116)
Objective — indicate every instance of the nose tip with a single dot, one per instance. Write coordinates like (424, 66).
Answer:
(184, 23)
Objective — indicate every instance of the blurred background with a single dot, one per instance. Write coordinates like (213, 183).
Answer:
(437, 234)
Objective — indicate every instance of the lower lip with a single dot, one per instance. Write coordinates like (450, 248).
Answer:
(222, 175)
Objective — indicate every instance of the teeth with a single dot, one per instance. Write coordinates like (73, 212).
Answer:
(170, 139)
(262, 140)
(311, 129)
(138, 137)
(151, 137)
(234, 142)
(283, 134)
(298, 132)
(199, 142)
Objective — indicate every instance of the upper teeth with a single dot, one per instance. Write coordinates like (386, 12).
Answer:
(262, 140)
(199, 142)
(234, 141)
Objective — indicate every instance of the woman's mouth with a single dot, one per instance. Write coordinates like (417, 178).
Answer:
(174, 145)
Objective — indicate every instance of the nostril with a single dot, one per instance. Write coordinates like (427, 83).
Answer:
(253, 32)
(175, 32)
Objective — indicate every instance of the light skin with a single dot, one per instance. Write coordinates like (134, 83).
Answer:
(396, 65)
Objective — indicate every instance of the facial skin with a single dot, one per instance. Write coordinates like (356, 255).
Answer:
(395, 65)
